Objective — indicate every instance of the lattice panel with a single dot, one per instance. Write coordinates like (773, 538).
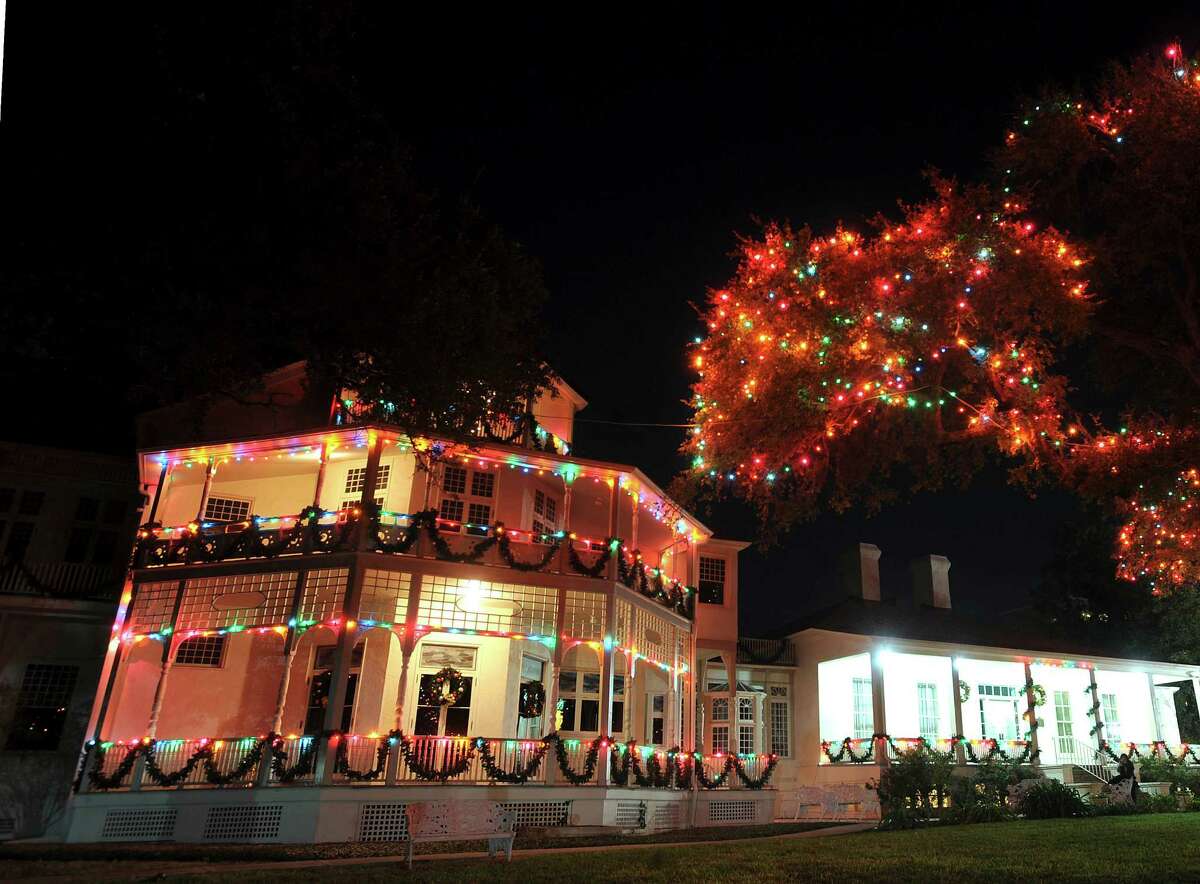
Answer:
(139, 824)
(152, 606)
(324, 593)
(382, 822)
(451, 603)
(384, 596)
(652, 635)
(243, 822)
(237, 600)
(585, 614)
(666, 815)
(732, 811)
(629, 814)
(538, 814)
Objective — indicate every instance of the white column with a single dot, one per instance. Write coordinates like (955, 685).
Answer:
(606, 675)
(1158, 728)
(1098, 708)
(878, 704)
(956, 689)
(1031, 711)
(209, 472)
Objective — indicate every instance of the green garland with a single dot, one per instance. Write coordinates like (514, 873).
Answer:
(341, 762)
(506, 553)
(564, 763)
(305, 762)
(518, 776)
(449, 771)
(100, 780)
(596, 569)
(847, 752)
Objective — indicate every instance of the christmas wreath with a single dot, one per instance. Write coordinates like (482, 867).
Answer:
(1039, 693)
(964, 692)
(447, 686)
(533, 700)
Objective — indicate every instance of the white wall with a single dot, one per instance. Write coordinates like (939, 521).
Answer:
(902, 673)
(836, 696)
(996, 673)
(1134, 712)
(1074, 683)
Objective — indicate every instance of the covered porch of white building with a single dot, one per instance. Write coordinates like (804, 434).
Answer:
(878, 697)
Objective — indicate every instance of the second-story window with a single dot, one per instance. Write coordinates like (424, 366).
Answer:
(545, 513)
(712, 580)
(356, 478)
(226, 509)
(202, 650)
(90, 539)
(476, 507)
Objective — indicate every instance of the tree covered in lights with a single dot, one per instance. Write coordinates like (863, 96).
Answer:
(836, 364)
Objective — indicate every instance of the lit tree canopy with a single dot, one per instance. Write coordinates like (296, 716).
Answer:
(830, 361)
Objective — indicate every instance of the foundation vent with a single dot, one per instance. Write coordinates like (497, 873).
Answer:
(666, 814)
(631, 814)
(243, 822)
(383, 822)
(732, 812)
(538, 814)
(140, 824)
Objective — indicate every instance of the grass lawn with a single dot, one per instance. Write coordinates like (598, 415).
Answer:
(1159, 848)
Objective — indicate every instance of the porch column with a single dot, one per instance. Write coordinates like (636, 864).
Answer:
(633, 522)
(1158, 728)
(688, 737)
(606, 676)
(563, 555)
(343, 652)
(168, 658)
(878, 705)
(1098, 708)
(614, 504)
(550, 723)
(670, 733)
(289, 654)
(209, 472)
(366, 541)
(408, 644)
(960, 753)
(321, 468)
(1031, 713)
(163, 475)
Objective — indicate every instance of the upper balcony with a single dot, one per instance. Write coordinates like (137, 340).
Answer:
(363, 488)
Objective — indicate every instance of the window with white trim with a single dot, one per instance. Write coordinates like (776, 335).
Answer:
(483, 484)
(545, 514)
(720, 709)
(226, 509)
(201, 650)
(864, 713)
(745, 709)
(454, 479)
(451, 510)
(781, 720)
(712, 580)
(1112, 721)
(356, 478)
(473, 509)
(579, 701)
(746, 740)
(720, 738)
(357, 501)
(927, 710)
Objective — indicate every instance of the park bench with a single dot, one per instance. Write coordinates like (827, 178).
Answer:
(460, 821)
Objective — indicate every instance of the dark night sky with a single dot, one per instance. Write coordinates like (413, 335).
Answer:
(626, 150)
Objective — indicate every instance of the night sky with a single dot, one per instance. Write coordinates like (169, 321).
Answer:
(626, 151)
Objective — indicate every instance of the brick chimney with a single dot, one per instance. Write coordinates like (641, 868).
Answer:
(861, 572)
(931, 581)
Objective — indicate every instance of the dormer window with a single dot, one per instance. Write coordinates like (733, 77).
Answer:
(712, 580)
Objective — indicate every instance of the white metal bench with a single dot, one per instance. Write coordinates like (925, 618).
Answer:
(460, 821)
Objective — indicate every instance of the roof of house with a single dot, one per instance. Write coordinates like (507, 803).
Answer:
(889, 619)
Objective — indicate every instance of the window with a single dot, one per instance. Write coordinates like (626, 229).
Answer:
(479, 514)
(482, 484)
(454, 480)
(7, 496)
(451, 510)
(780, 727)
(618, 706)
(927, 710)
(203, 650)
(356, 478)
(41, 710)
(745, 709)
(579, 701)
(545, 513)
(864, 711)
(745, 740)
(31, 502)
(1112, 721)
(712, 580)
(226, 509)
(720, 738)
(531, 671)
(720, 709)
(356, 501)
(717, 680)
(19, 537)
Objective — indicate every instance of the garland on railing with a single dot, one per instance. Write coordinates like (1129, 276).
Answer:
(100, 780)
(461, 761)
(685, 764)
(596, 568)
(305, 761)
(249, 762)
(734, 764)
(341, 763)
(505, 547)
(922, 745)
(155, 773)
(589, 760)
(716, 782)
(517, 776)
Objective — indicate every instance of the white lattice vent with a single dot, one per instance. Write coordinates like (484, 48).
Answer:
(383, 822)
(8, 828)
(666, 815)
(243, 822)
(731, 811)
(139, 824)
(538, 814)
(629, 814)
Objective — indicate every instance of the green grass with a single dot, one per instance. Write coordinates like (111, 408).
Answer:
(1159, 848)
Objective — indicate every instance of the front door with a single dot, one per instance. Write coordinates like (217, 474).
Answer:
(656, 710)
(437, 720)
(1065, 726)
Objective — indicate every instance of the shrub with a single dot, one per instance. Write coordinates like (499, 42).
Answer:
(1045, 799)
